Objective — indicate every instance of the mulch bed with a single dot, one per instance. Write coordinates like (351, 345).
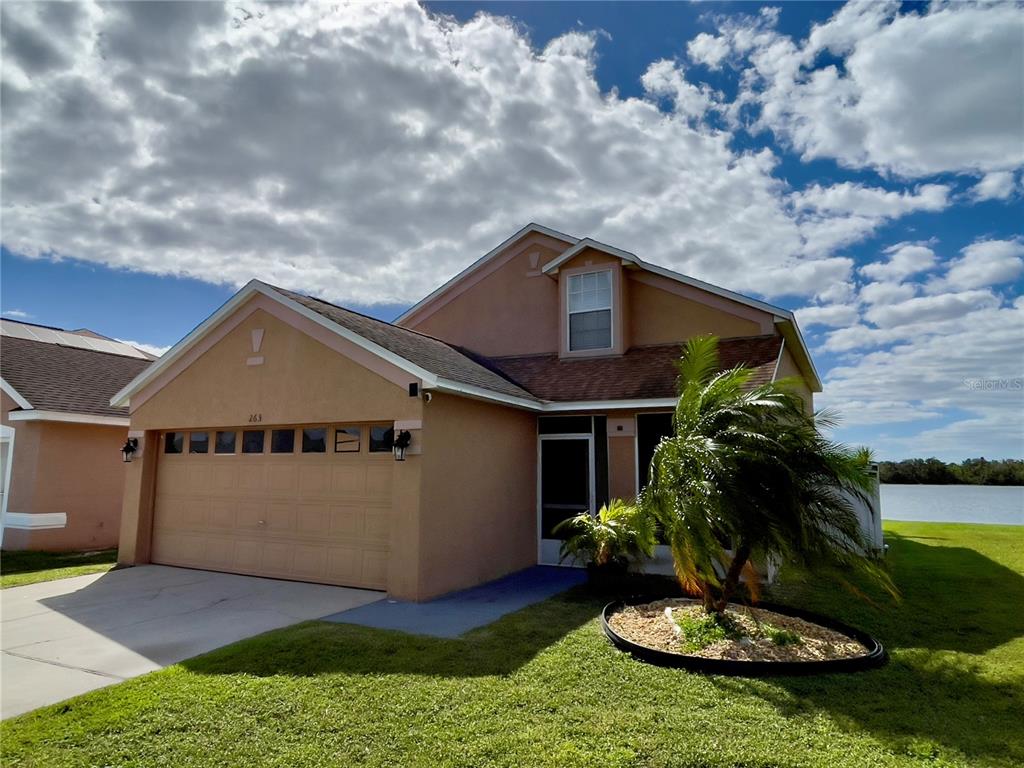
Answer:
(656, 625)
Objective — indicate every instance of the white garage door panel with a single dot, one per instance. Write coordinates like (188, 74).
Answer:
(311, 517)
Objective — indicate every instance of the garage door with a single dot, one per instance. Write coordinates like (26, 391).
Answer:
(311, 503)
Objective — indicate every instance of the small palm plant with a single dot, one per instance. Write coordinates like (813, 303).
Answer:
(618, 535)
(747, 467)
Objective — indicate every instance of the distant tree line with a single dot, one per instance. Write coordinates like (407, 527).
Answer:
(969, 472)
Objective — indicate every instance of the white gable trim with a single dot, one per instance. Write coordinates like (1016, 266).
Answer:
(491, 254)
(791, 331)
(783, 318)
(547, 406)
(252, 288)
(586, 242)
(12, 393)
(611, 405)
(69, 418)
(778, 360)
(632, 258)
(480, 393)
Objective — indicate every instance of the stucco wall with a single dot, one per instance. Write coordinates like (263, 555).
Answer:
(659, 317)
(621, 467)
(300, 381)
(788, 368)
(71, 468)
(478, 504)
(513, 310)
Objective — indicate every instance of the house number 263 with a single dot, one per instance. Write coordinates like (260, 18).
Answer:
(255, 418)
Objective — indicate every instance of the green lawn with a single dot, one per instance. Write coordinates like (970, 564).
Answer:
(20, 568)
(544, 688)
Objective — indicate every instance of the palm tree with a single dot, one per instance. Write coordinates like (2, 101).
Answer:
(747, 467)
(618, 534)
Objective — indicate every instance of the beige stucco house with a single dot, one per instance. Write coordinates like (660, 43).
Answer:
(61, 472)
(533, 385)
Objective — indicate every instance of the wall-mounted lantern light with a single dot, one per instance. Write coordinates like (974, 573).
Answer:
(402, 441)
(131, 445)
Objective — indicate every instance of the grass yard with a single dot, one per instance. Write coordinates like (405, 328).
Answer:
(20, 568)
(544, 688)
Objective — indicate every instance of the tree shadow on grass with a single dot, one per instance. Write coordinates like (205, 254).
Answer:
(923, 704)
(937, 698)
(318, 648)
(937, 693)
(952, 598)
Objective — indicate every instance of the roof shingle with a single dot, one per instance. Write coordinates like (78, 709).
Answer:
(643, 372)
(53, 377)
(431, 354)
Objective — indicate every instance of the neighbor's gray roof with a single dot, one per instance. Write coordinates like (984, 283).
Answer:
(434, 355)
(54, 377)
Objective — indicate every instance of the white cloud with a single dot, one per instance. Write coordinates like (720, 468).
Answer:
(17, 314)
(880, 109)
(915, 360)
(962, 371)
(998, 185)
(985, 263)
(886, 293)
(905, 259)
(153, 349)
(857, 199)
(708, 50)
(929, 309)
(399, 148)
(667, 79)
(842, 214)
(832, 315)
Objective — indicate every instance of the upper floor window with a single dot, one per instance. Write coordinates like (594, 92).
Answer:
(590, 311)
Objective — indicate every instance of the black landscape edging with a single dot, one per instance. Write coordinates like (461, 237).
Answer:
(874, 657)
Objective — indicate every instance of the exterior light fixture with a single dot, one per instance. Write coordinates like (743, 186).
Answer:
(401, 443)
(131, 445)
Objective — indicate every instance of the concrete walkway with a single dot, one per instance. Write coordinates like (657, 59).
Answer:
(62, 638)
(458, 612)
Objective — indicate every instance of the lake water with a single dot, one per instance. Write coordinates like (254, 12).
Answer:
(1003, 505)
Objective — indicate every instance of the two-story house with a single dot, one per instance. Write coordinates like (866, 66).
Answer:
(530, 387)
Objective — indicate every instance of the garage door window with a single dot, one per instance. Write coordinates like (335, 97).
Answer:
(252, 441)
(282, 441)
(314, 440)
(382, 438)
(199, 442)
(174, 442)
(225, 443)
(347, 439)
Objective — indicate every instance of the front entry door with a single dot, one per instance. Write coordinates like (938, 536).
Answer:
(566, 487)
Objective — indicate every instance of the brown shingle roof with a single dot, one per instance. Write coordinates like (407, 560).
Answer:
(431, 354)
(53, 377)
(643, 372)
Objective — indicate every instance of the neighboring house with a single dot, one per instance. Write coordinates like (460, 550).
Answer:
(534, 385)
(60, 441)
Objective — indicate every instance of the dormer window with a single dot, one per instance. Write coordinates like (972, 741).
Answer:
(590, 311)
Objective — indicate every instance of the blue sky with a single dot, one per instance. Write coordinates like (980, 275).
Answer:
(746, 144)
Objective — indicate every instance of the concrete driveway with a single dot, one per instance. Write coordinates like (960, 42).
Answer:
(62, 638)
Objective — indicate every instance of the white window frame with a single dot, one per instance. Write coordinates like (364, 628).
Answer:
(610, 309)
